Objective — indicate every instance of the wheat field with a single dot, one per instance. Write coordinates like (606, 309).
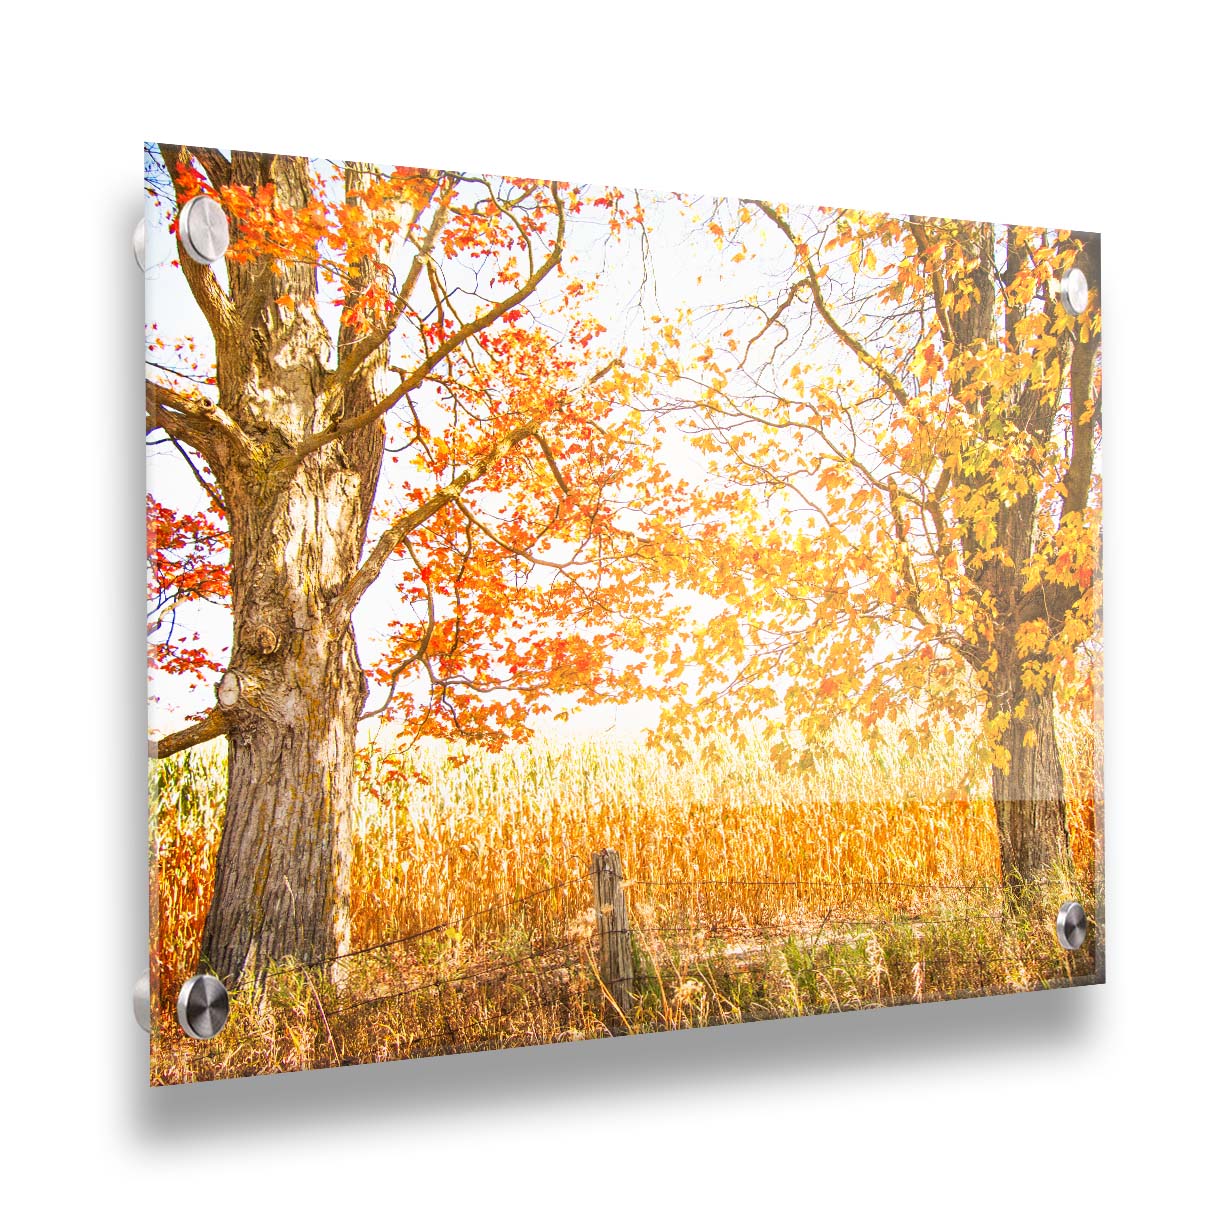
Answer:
(863, 877)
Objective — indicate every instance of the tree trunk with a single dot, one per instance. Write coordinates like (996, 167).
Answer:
(1028, 794)
(294, 689)
(282, 877)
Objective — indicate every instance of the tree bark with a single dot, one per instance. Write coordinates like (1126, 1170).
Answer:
(1030, 810)
(295, 688)
(282, 877)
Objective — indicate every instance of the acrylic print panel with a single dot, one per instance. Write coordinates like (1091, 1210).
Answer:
(577, 611)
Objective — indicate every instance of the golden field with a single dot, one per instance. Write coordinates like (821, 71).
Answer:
(865, 877)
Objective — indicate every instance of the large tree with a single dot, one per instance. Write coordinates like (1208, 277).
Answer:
(361, 313)
(902, 518)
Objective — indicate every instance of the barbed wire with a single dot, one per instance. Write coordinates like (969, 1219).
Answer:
(487, 974)
(713, 930)
(438, 927)
(747, 928)
(470, 975)
(819, 882)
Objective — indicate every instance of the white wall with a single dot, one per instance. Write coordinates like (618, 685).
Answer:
(1103, 1097)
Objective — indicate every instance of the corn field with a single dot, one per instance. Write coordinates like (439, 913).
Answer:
(720, 855)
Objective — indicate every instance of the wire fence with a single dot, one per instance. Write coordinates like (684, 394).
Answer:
(833, 896)
(437, 929)
(468, 976)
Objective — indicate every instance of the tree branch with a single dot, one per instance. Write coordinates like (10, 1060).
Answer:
(198, 422)
(410, 520)
(181, 417)
(938, 288)
(418, 655)
(506, 545)
(214, 723)
(868, 359)
(216, 164)
(552, 462)
(351, 424)
(212, 300)
(1084, 412)
(377, 338)
(210, 490)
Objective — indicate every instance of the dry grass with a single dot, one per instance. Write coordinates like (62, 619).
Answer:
(864, 879)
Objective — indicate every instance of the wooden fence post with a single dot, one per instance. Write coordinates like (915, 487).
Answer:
(615, 946)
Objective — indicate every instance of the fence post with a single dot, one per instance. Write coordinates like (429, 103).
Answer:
(611, 915)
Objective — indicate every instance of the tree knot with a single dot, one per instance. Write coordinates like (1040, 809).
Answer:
(261, 639)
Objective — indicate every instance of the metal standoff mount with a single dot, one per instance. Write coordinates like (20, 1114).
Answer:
(140, 1001)
(204, 229)
(1072, 925)
(1073, 292)
(138, 243)
(203, 1007)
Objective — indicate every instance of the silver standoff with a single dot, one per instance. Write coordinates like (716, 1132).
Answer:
(138, 243)
(204, 229)
(1072, 925)
(140, 1001)
(203, 1007)
(1073, 292)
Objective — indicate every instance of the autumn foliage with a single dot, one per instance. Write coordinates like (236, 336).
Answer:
(186, 563)
(845, 475)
